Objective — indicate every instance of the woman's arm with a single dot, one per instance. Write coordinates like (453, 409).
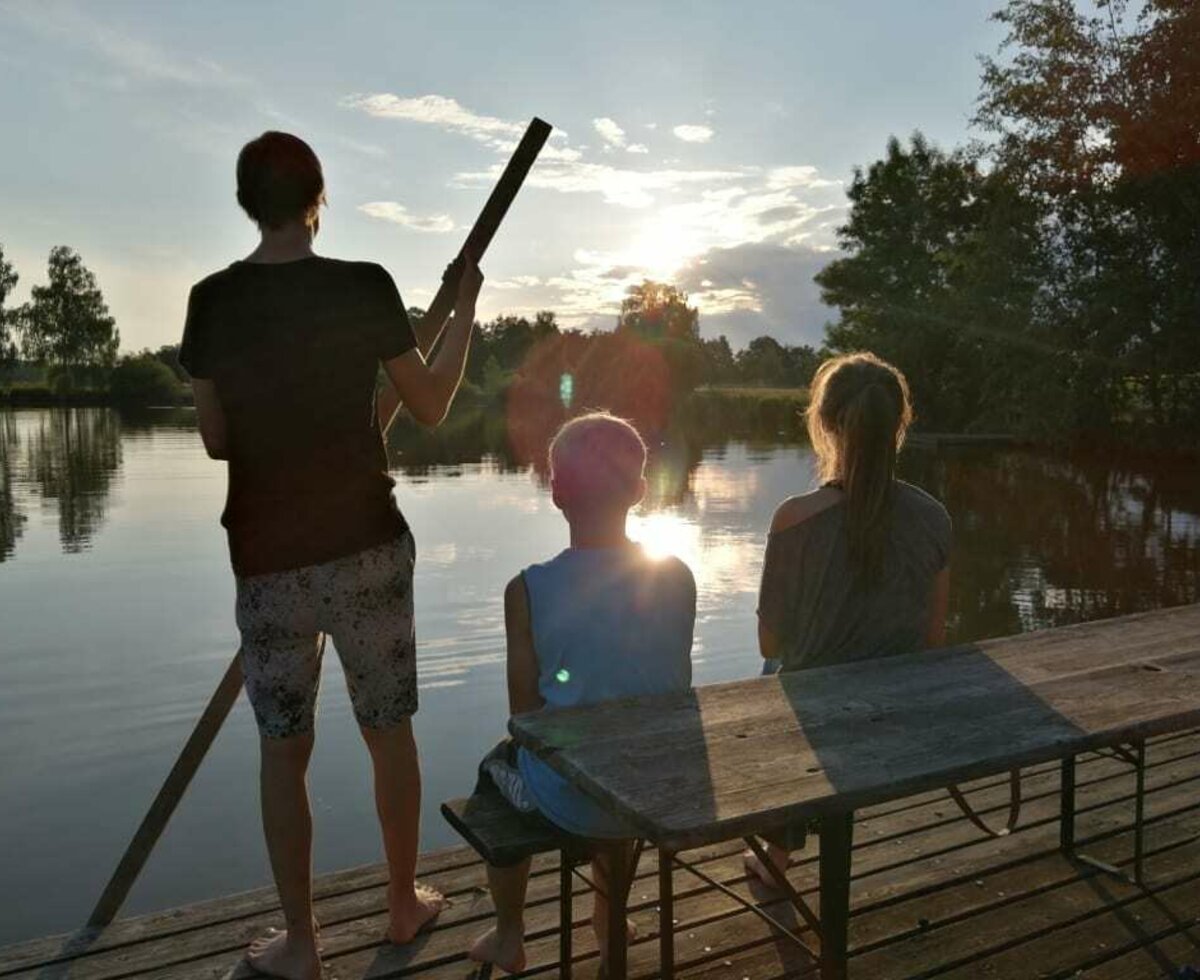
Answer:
(939, 604)
(213, 431)
(773, 588)
(523, 693)
(427, 390)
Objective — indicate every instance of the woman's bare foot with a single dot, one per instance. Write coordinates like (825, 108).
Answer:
(505, 951)
(756, 869)
(413, 912)
(280, 954)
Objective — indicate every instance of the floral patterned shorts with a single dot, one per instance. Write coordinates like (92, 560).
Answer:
(365, 603)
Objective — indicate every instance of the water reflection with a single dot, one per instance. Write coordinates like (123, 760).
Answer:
(1040, 539)
(12, 518)
(1047, 540)
(66, 457)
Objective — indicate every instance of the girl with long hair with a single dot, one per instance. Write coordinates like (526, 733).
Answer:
(857, 568)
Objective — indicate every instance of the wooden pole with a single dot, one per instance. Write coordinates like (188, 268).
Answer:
(482, 232)
(169, 795)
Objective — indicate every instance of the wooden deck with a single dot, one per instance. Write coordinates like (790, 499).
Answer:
(931, 897)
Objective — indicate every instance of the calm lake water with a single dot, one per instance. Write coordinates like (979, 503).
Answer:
(116, 606)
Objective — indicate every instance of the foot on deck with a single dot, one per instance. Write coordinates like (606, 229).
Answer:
(506, 952)
(756, 869)
(413, 912)
(600, 927)
(279, 954)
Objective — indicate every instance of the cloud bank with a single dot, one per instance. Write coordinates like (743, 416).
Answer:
(743, 240)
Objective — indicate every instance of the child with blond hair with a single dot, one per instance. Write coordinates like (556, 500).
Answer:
(598, 621)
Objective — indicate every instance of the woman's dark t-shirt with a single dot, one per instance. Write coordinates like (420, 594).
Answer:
(293, 350)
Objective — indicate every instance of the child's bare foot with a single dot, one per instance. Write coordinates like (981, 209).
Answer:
(756, 869)
(505, 951)
(279, 954)
(600, 927)
(413, 912)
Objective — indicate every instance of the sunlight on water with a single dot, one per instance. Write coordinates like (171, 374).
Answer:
(662, 534)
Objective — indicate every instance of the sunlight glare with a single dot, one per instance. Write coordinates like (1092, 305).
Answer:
(660, 248)
(663, 534)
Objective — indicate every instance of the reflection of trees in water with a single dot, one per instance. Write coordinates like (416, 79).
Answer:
(12, 520)
(471, 434)
(71, 457)
(1045, 540)
(475, 433)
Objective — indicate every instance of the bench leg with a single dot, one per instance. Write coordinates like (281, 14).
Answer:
(565, 915)
(666, 914)
(837, 836)
(1066, 826)
(1139, 818)
(1136, 757)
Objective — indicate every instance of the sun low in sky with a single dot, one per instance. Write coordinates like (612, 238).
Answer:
(706, 144)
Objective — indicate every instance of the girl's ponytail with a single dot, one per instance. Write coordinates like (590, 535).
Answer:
(857, 416)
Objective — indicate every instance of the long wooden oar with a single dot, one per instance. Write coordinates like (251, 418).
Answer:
(169, 795)
(484, 229)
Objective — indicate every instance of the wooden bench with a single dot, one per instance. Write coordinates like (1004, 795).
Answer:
(503, 836)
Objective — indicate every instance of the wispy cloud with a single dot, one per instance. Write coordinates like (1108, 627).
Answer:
(398, 214)
(786, 178)
(612, 134)
(617, 185)
(441, 111)
(516, 282)
(693, 133)
(637, 148)
(127, 54)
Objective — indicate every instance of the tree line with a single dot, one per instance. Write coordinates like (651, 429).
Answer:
(66, 330)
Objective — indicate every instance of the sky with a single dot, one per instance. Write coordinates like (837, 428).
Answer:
(704, 143)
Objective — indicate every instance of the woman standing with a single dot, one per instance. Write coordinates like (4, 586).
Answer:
(857, 568)
(284, 349)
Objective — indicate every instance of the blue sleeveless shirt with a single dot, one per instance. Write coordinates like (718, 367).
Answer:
(607, 623)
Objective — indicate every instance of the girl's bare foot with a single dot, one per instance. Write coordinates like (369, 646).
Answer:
(413, 912)
(756, 869)
(505, 951)
(280, 954)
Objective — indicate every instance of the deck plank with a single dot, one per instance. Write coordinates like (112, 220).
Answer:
(920, 861)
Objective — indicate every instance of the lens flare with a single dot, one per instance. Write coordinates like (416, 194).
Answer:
(566, 389)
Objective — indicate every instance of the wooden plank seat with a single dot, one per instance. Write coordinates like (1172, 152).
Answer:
(504, 836)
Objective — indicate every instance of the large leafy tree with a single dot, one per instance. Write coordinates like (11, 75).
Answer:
(658, 311)
(930, 262)
(8, 282)
(66, 324)
(1096, 114)
(1045, 282)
